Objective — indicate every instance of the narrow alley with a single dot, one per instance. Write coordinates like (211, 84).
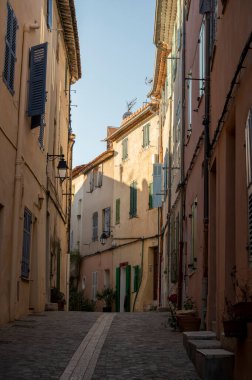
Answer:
(79, 345)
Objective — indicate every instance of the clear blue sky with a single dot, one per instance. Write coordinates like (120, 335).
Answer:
(117, 53)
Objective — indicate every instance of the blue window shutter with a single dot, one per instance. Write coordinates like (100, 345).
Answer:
(10, 49)
(157, 185)
(49, 14)
(26, 244)
(37, 85)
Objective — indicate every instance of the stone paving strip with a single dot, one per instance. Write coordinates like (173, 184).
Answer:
(83, 362)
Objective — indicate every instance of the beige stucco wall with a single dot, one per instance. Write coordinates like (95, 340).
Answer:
(125, 243)
(23, 168)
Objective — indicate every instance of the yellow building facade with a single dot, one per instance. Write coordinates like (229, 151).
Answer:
(40, 59)
(119, 242)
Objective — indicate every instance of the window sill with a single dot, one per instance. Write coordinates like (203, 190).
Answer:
(25, 279)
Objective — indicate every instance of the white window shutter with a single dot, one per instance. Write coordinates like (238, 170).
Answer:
(157, 185)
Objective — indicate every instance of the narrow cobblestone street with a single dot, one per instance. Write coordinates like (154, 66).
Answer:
(78, 345)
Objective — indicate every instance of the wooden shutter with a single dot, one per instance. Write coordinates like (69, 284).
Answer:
(146, 135)
(49, 14)
(136, 277)
(106, 228)
(157, 185)
(117, 211)
(133, 199)
(128, 277)
(118, 272)
(26, 244)
(95, 226)
(125, 149)
(10, 49)
(151, 195)
(37, 85)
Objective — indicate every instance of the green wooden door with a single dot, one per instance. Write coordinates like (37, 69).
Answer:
(118, 289)
(128, 277)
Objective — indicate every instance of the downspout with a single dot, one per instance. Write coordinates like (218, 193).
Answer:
(18, 180)
(206, 175)
(182, 170)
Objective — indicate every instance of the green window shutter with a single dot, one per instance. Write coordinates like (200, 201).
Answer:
(133, 199)
(125, 149)
(118, 289)
(117, 211)
(146, 135)
(128, 277)
(151, 195)
(136, 277)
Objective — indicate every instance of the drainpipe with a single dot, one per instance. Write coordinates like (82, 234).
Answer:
(182, 170)
(18, 179)
(206, 174)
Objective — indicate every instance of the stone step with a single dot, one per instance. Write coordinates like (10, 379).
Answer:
(213, 364)
(197, 335)
(51, 306)
(196, 344)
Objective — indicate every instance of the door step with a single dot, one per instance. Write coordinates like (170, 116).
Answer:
(210, 360)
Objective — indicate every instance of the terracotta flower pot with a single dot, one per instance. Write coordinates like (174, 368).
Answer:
(235, 329)
(188, 323)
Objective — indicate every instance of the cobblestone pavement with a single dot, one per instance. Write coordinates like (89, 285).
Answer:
(78, 345)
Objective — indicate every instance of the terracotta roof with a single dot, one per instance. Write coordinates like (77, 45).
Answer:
(98, 160)
(78, 170)
(70, 31)
(130, 122)
(165, 18)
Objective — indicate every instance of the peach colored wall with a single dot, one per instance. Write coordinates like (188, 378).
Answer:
(23, 167)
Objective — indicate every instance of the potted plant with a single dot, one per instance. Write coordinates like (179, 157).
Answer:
(107, 295)
(234, 327)
(187, 318)
(172, 319)
(242, 309)
(58, 297)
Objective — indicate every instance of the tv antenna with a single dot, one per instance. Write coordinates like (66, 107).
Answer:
(148, 81)
(131, 104)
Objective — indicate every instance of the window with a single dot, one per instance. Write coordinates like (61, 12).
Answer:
(106, 221)
(201, 59)
(26, 244)
(10, 49)
(117, 219)
(37, 85)
(157, 185)
(146, 135)
(95, 226)
(95, 178)
(41, 132)
(106, 278)
(189, 104)
(49, 14)
(150, 195)
(133, 199)
(193, 216)
(94, 285)
(125, 149)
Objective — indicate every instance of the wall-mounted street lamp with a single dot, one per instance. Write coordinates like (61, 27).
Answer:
(103, 238)
(62, 165)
